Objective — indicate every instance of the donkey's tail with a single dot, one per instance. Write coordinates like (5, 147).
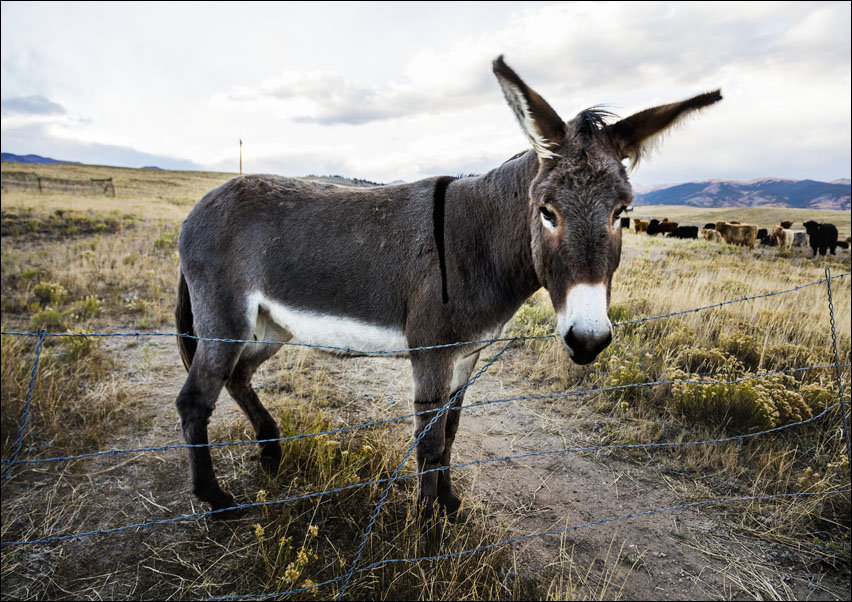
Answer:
(183, 319)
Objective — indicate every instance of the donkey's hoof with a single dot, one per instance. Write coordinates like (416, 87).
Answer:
(270, 460)
(224, 508)
(450, 504)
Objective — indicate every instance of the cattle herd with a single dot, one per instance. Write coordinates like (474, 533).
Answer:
(821, 237)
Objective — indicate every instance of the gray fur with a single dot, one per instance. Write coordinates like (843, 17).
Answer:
(373, 255)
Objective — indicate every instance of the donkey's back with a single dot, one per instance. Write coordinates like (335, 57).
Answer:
(286, 246)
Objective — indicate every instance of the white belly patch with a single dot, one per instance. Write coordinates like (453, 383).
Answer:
(324, 329)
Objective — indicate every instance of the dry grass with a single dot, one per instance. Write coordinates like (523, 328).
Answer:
(100, 264)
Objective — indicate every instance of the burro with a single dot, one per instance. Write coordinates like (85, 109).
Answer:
(429, 263)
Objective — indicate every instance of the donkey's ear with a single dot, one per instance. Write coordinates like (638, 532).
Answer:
(636, 134)
(540, 123)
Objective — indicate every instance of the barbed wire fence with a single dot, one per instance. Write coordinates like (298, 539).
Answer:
(396, 476)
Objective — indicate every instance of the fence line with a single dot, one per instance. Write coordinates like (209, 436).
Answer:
(336, 431)
(547, 452)
(353, 570)
(31, 180)
(350, 350)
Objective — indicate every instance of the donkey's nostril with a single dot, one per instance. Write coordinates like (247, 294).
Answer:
(586, 348)
(571, 340)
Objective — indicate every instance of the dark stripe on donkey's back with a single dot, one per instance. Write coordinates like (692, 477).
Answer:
(438, 230)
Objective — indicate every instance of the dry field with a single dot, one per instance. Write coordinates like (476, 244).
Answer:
(102, 264)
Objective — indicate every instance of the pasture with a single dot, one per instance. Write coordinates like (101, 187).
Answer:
(103, 264)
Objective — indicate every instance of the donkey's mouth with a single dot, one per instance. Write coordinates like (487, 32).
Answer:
(584, 350)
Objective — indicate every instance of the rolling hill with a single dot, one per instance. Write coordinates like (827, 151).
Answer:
(767, 192)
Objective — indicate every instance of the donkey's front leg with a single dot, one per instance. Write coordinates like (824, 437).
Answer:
(461, 375)
(432, 379)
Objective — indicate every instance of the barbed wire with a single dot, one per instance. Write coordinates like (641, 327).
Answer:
(354, 351)
(113, 452)
(547, 452)
(24, 419)
(438, 412)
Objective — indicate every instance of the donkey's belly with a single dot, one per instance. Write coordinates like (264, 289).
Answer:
(334, 334)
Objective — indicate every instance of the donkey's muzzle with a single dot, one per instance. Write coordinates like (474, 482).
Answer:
(583, 322)
(584, 349)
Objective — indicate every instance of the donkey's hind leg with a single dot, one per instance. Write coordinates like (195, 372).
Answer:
(211, 367)
(239, 386)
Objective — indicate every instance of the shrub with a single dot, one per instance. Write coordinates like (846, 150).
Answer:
(706, 361)
(50, 293)
(87, 307)
(739, 407)
(744, 347)
(81, 347)
(754, 405)
(48, 319)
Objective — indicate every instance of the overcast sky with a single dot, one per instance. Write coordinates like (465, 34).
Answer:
(401, 91)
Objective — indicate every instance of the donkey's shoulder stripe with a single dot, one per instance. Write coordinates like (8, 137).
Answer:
(438, 228)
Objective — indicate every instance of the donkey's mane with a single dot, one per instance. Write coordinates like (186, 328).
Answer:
(593, 120)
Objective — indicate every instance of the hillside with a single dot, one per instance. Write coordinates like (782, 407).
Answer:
(38, 159)
(768, 192)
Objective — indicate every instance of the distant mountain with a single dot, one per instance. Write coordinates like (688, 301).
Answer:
(766, 192)
(30, 159)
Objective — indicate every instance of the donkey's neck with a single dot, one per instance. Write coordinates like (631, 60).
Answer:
(488, 224)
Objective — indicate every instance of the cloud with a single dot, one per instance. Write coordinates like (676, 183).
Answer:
(582, 53)
(30, 105)
(328, 98)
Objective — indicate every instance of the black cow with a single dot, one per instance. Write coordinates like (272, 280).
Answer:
(625, 222)
(762, 233)
(842, 244)
(684, 232)
(710, 226)
(653, 227)
(822, 237)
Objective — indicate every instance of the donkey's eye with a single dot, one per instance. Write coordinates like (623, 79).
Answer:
(548, 215)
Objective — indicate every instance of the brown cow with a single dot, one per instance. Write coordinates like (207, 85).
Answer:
(639, 225)
(666, 226)
(782, 237)
(737, 234)
(786, 224)
(711, 235)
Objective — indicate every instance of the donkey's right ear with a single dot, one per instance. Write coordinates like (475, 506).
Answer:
(544, 128)
(635, 135)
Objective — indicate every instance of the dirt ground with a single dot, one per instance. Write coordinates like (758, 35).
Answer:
(688, 554)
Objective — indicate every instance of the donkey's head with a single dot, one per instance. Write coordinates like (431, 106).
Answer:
(576, 198)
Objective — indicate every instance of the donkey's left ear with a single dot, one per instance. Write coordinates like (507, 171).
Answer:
(544, 128)
(635, 135)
